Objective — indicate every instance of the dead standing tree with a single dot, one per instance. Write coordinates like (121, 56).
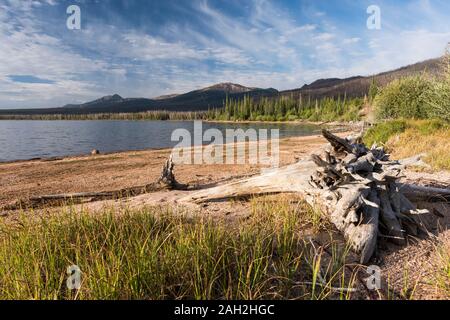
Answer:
(355, 186)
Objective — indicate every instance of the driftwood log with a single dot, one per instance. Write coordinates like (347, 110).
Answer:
(355, 186)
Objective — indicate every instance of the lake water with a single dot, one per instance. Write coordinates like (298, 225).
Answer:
(20, 140)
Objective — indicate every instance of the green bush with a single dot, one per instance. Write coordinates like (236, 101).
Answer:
(381, 133)
(438, 103)
(404, 98)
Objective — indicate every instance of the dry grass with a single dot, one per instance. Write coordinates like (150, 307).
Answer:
(441, 277)
(435, 144)
(405, 138)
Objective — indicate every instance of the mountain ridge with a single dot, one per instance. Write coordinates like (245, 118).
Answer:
(213, 96)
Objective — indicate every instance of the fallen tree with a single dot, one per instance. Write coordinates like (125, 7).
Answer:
(355, 186)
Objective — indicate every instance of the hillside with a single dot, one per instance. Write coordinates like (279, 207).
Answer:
(358, 86)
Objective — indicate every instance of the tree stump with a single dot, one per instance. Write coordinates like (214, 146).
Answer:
(167, 178)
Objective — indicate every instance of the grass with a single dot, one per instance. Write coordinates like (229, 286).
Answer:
(405, 138)
(160, 254)
(409, 287)
(441, 278)
(381, 133)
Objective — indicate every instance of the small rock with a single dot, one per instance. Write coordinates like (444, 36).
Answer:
(95, 152)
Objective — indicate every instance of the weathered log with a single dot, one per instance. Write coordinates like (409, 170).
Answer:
(389, 217)
(340, 144)
(365, 163)
(423, 193)
(363, 236)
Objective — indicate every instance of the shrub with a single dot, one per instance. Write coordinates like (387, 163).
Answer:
(438, 103)
(404, 98)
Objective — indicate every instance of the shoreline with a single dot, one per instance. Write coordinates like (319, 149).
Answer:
(117, 170)
(296, 122)
(338, 127)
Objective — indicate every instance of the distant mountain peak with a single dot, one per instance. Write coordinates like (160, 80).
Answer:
(229, 87)
(113, 97)
(110, 99)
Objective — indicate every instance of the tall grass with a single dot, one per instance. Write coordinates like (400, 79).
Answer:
(404, 98)
(438, 102)
(405, 138)
(157, 254)
(442, 276)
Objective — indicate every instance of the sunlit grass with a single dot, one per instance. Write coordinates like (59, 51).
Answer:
(405, 138)
(155, 253)
(441, 277)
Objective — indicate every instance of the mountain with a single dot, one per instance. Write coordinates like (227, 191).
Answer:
(359, 86)
(197, 100)
(229, 87)
(113, 99)
(166, 96)
(214, 96)
(323, 83)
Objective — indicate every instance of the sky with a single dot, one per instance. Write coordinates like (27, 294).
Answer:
(145, 48)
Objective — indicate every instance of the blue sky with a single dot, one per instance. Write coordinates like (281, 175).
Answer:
(144, 48)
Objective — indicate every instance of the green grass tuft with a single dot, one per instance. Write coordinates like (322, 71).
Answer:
(381, 133)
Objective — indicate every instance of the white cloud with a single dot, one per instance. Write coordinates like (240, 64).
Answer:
(351, 40)
(324, 37)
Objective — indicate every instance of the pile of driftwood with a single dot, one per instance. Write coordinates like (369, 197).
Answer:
(356, 186)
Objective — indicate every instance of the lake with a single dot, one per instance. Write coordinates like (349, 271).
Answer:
(23, 139)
